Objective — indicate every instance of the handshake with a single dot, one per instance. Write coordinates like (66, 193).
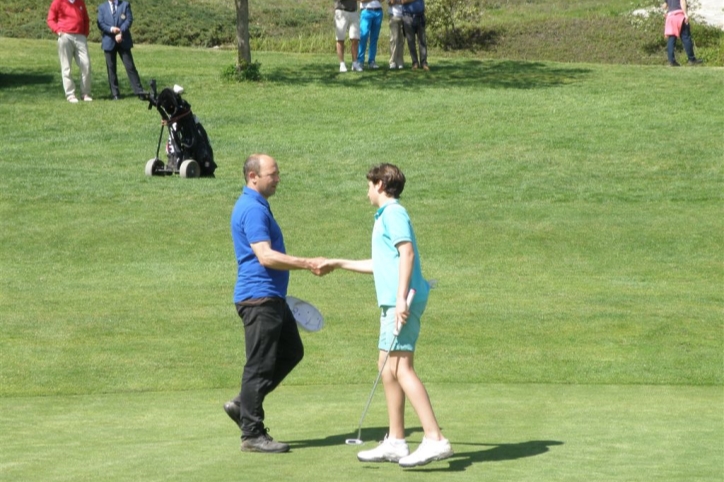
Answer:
(321, 266)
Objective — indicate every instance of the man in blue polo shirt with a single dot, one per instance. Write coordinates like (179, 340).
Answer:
(273, 344)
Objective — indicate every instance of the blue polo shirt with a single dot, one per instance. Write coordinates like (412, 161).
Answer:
(251, 222)
(417, 7)
(393, 226)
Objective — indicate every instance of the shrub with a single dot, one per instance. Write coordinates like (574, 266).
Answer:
(245, 72)
(454, 24)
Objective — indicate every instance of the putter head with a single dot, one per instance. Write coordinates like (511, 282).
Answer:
(353, 441)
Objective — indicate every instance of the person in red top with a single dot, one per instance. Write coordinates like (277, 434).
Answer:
(70, 21)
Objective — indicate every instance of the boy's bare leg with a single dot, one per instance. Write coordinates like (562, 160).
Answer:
(402, 363)
(395, 397)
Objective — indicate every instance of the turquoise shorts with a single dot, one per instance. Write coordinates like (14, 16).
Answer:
(409, 333)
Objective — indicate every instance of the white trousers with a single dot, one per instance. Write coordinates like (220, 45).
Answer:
(74, 46)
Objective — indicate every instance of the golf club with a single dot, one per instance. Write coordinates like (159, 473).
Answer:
(358, 440)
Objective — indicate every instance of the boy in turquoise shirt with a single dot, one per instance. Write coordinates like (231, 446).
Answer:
(395, 265)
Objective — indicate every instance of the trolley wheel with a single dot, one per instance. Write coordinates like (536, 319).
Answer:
(189, 168)
(153, 166)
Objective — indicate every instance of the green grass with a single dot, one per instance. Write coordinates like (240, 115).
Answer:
(572, 213)
(500, 432)
(595, 31)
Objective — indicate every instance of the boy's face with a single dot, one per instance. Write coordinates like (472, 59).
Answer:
(373, 192)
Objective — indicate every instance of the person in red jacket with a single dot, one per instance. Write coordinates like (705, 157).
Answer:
(70, 21)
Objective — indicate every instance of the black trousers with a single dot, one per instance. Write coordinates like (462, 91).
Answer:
(273, 349)
(127, 59)
(414, 28)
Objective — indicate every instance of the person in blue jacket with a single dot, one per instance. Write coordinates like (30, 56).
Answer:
(114, 21)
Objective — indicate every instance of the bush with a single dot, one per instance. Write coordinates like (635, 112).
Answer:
(245, 72)
(454, 24)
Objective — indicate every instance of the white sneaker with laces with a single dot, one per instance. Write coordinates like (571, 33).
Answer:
(73, 99)
(356, 67)
(342, 67)
(428, 451)
(373, 65)
(87, 98)
(387, 451)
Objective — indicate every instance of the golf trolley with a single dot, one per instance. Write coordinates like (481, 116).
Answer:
(188, 151)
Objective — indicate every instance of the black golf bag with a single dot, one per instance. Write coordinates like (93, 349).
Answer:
(188, 149)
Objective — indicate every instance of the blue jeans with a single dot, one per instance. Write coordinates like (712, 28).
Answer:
(685, 40)
(370, 23)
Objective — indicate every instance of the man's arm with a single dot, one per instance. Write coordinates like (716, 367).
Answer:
(52, 19)
(270, 258)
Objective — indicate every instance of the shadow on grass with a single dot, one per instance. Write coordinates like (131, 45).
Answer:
(372, 434)
(24, 79)
(458, 462)
(472, 73)
(500, 452)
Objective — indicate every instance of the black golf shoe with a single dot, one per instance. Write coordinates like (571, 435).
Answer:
(263, 443)
(233, 411)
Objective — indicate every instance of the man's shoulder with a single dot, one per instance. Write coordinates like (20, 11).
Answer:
(248, 204)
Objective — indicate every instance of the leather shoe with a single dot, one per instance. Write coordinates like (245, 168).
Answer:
(233, 411)
(263, 443)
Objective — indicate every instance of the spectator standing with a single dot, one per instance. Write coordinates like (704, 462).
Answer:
(397, 35)
(346, 18)
(370, 24)
(677, 25)
(69, 20)
(114, 20)
(413, 18)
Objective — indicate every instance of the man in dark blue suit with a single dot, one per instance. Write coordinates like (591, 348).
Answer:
(114, 20)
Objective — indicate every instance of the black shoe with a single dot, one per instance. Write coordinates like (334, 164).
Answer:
(675, 64)
(263, 443)
(695, 62)
(233, 411)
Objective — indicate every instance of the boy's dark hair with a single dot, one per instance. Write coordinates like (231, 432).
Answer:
(393, 180)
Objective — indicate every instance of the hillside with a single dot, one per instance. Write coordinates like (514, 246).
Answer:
(596, 31)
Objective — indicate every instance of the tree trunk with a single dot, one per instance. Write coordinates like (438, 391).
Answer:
(243, 57)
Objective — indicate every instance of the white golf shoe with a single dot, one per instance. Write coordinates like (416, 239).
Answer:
(387, 451)
(428, 451)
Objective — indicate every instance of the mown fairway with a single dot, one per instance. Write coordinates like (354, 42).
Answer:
(572, 214)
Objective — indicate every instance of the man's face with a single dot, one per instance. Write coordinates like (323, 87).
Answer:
(268, 178)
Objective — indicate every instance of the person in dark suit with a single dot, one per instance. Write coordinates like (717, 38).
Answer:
(114, 21)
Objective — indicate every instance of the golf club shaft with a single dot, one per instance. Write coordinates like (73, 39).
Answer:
(410, 296)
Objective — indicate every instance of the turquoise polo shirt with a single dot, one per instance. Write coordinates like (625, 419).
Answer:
(393, 226)
(251, 222)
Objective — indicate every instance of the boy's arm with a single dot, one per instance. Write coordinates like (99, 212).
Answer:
(356, 265)
(407, 258)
